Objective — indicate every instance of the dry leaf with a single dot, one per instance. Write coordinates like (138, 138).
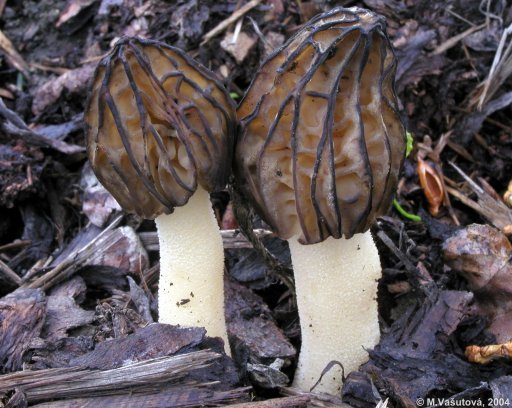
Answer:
(486, 354)
(481, 254)
(432, 186)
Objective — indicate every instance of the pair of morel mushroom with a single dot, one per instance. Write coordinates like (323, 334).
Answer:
(317, 154)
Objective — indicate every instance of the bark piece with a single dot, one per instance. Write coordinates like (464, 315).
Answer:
(74, 288)
(73, 81)
(13, 56)
(21, 319)
(267, 376)
(120, 247)
(71, 12)
(63, 314)
(14, 127)
(166, 397)
(39, 231)
(98, 204)
(359, 391)
(141, 301)
(251, 324)
(481, 254)
(148, 377)
(58, 353)
(240, 48)
(153, 341)
(190, 18)
(502, 388)
(412, 359)
(124, 250)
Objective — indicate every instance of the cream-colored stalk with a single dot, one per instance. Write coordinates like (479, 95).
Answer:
(191, 287)
(336, 285)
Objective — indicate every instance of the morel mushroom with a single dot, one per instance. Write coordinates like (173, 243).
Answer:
(319, 154)
(160, 135)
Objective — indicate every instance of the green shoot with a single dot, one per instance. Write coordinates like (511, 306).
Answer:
(404, 213)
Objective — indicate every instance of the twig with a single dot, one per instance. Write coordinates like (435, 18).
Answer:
(501, 68)
(451, 42)
(232, 239)
(496, 212)
(230, 20)
(71, 263)
(256, 28)
(9, 273)
(2, 6)
(12, 55)
(15, 245)
(13, 125)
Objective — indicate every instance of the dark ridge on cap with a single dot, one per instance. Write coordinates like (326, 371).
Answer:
(321, 142)
(158, 124)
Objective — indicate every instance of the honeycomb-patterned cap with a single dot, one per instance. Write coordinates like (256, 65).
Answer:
(321, 142)
(157, 125)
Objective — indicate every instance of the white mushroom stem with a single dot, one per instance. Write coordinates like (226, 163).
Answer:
(336, 285)
(191, 287)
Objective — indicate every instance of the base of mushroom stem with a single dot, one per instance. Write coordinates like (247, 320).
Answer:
(336, 286)
(191, 286)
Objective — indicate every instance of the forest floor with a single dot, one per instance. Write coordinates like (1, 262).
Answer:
(78, 277)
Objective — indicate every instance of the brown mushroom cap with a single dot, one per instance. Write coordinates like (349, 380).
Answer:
(321, 142)
(157, 125)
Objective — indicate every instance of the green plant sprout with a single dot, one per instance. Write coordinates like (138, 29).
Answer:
(409, 145)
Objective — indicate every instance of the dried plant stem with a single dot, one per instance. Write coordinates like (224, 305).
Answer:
(230, 20)
(71, 263)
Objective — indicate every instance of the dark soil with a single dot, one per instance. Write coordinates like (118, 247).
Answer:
(445, 283)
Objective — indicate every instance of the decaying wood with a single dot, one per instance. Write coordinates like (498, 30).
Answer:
(495, 211)
(300, 401)
(359, 390)
(10, 274)
(152, 341)
(250, 322)
(13, 56)
(64, 314)
(14, 126)
(316, 400)
(148, 376)
(199, 395)
(22, 315)
(101, 243)
(411, 359)
(481, 255)
(231, 238)
(502, 388)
